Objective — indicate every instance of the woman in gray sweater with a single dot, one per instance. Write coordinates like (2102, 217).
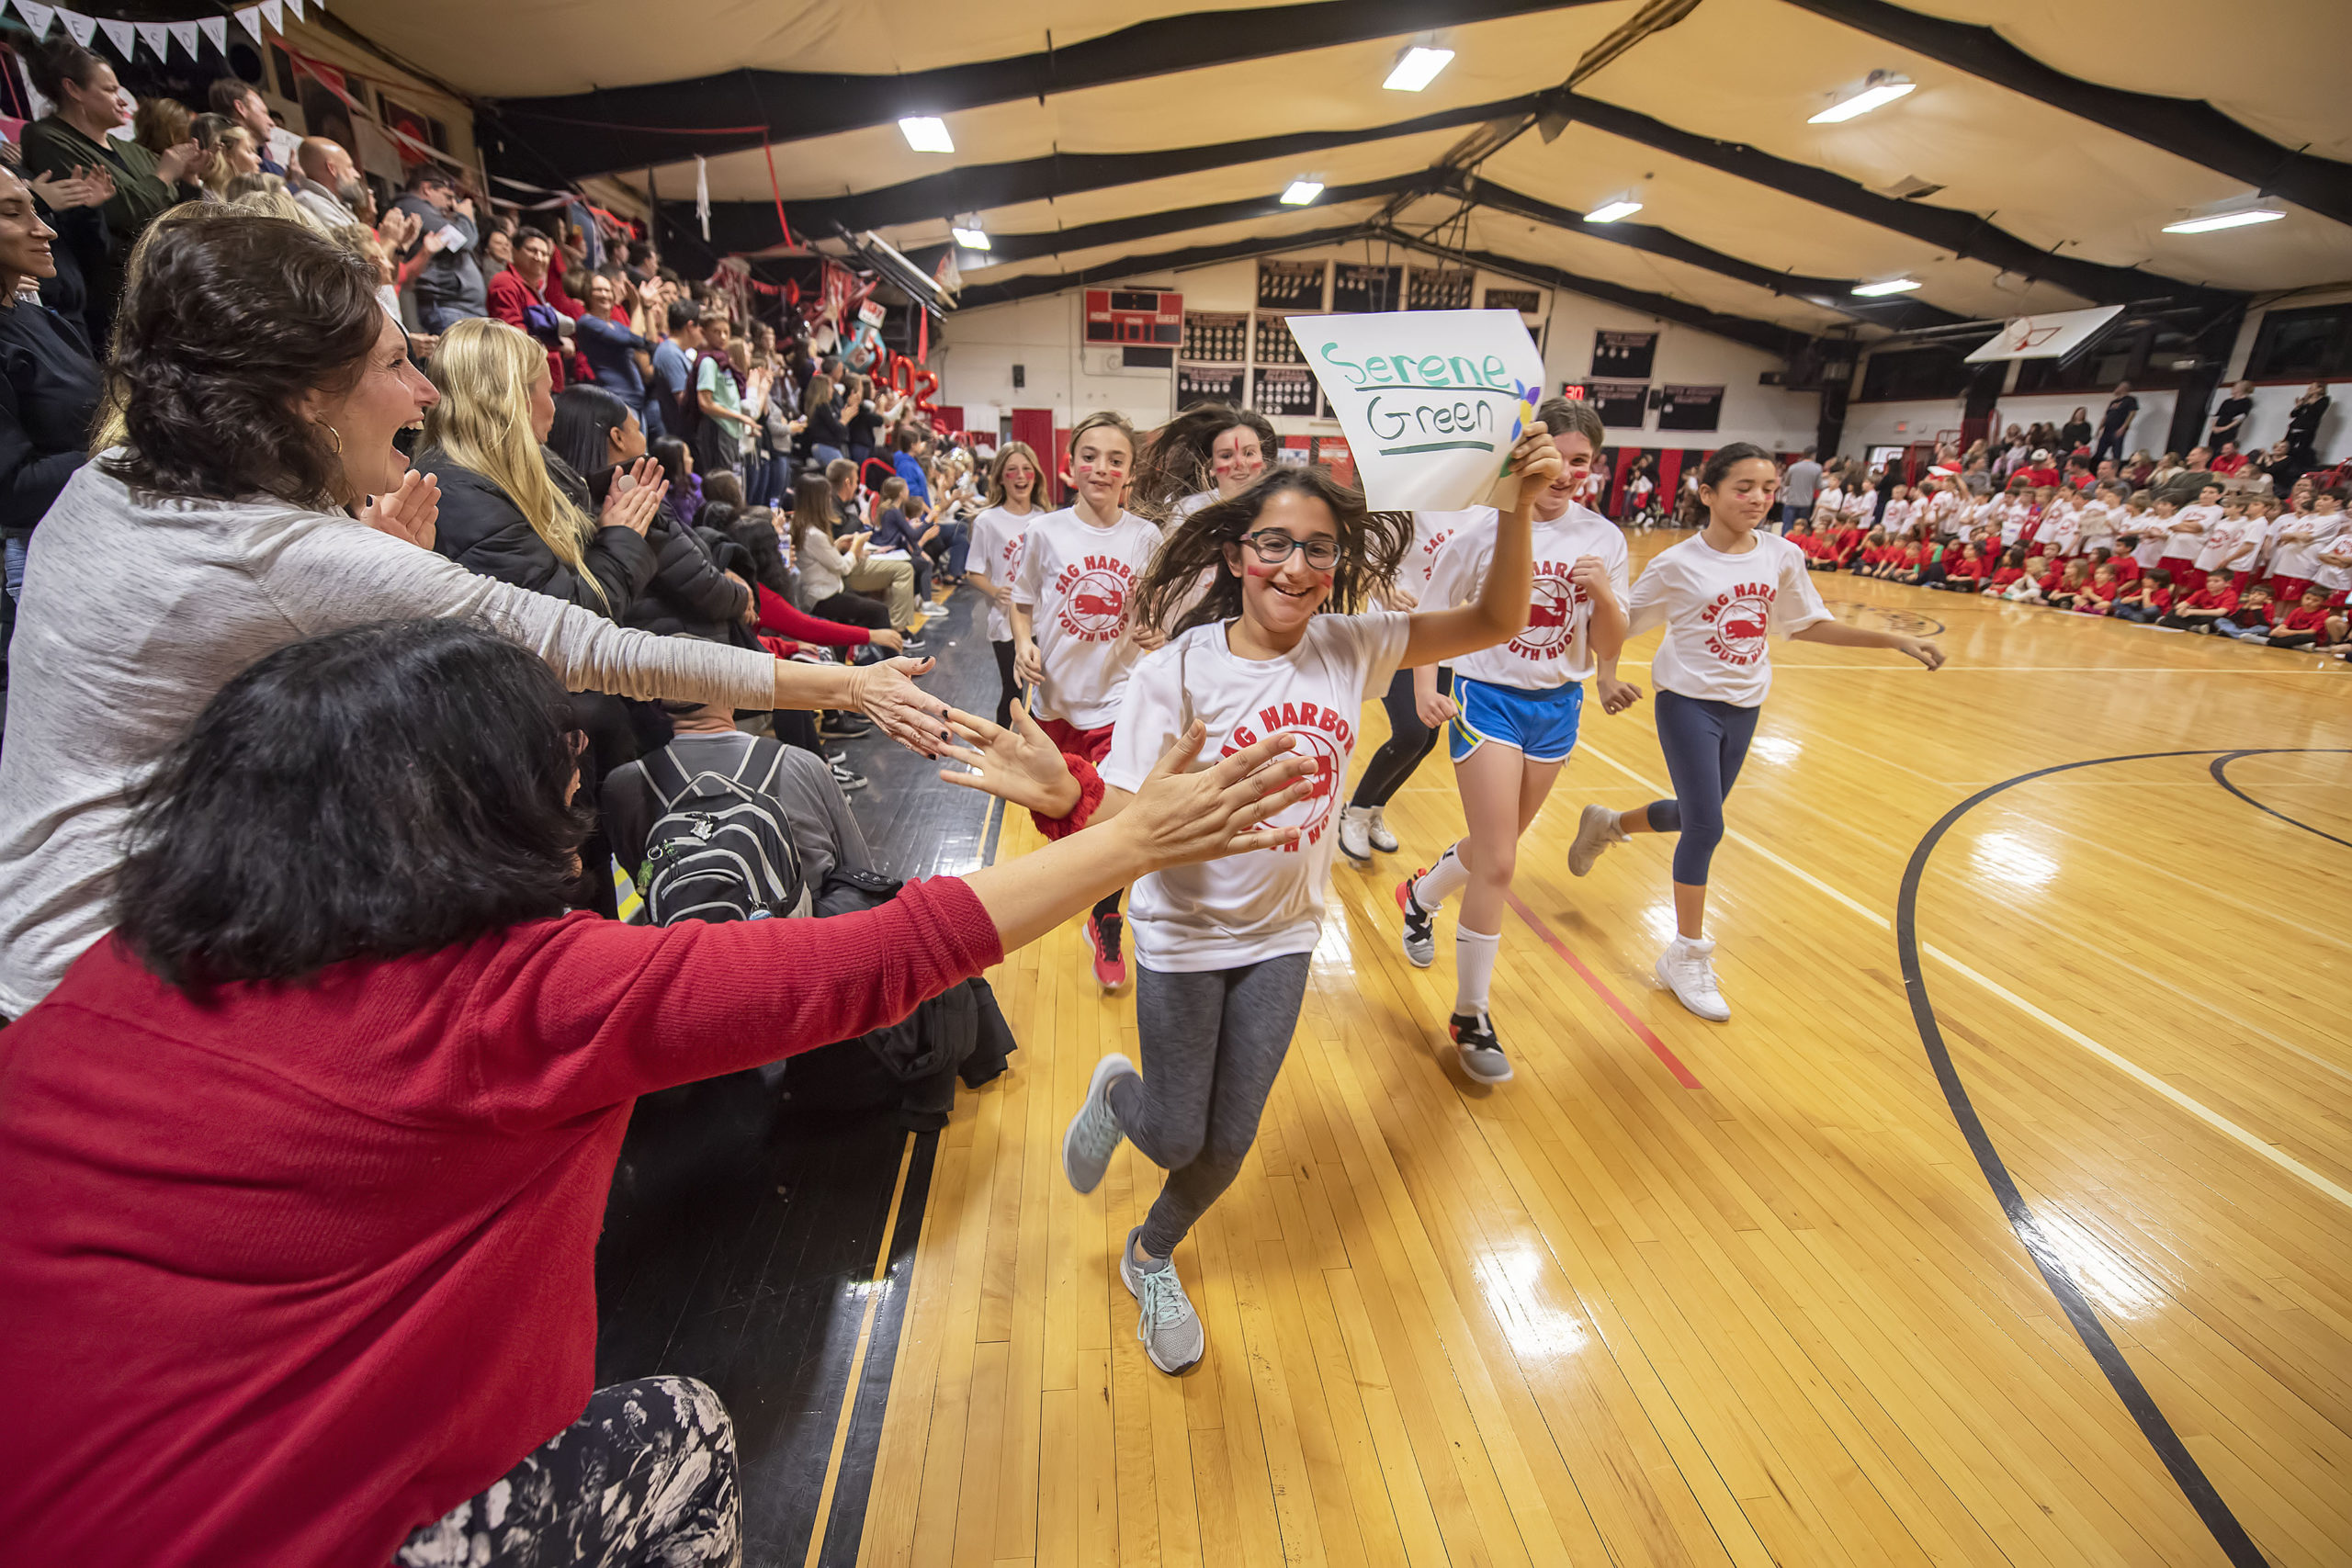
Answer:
(257, 500)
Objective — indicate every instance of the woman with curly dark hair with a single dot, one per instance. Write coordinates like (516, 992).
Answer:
(258, 498)
(1269, 648)
(323, 1136)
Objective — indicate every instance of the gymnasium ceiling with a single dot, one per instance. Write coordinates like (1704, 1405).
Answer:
(1109, 139)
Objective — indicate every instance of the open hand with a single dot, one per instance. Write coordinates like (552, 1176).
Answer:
(886, 693)
(408, 513)
(1016, 762)
(1180, 816)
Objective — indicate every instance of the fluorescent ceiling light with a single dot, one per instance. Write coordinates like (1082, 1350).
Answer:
(2238, 220)
(1882, 88)
(1300, 192)
(1417, 68)
(973, 239)
(1610, 211)
(927, 133)
(1892, 285)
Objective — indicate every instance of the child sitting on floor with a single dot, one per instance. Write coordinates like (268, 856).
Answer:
(2148, 601)
(2208, 604)
(2251, 621)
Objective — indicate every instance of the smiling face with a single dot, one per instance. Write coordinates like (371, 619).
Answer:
(532, 256)
(600, 294)
(1575, 466)
(1278, 600)
(1236, 457)
(387, 395)
(24, 238)
(1020, 479)
(1099, 463)
(1744, 495)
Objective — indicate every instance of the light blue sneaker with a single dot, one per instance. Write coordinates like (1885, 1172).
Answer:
(1170, 1330)
(1093, 1134)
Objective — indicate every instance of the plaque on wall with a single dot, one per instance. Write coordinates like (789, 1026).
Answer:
(1290, 284)
(1284, 390)
(1275, 345)
(1438, 289)
(1216, 338)
(1625, 355)
(1526, 301)
(1690, 408)
(1620, 403)
(1208, 384)
(1357, 288)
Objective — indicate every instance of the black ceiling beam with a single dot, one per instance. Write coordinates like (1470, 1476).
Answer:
(589, 132)
(978, 294)
(1962, 233)
(1832, 293)
(2187, 128)
(1769, 336)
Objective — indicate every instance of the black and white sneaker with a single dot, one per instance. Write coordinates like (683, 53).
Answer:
(839, 724)
(1482, 1053)
(835, 753)
(1420, 926)
(850, 780)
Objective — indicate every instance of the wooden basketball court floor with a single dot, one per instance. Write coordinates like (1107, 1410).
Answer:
(1756, 1292)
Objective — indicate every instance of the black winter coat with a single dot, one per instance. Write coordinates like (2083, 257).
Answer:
(691, 592)
(483, 531)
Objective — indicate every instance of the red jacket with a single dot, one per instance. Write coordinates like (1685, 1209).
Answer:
(293, 1272)
(509, 294)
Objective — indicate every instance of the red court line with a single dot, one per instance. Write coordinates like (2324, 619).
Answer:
(1649, 1036)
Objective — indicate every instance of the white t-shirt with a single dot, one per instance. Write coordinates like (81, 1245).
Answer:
(2224, 537)
(1895, 518)
(2098, 527)
(1829, 503)
(2061, 527)
(2015, 516)
(2185, 546)
(2150, 550)
(2291, 556)
(1192, 504)
(1718, 610)
(997, 536)
(2334, 536)
(1074, 581)
(1556, 647)
(1245, 908)
(1430, 531)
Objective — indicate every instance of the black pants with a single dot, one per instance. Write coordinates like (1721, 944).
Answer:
(1005, 677)
(852, 610)
(1408, 741)
(1704, 741)
(2110, 445)
(645, 1475)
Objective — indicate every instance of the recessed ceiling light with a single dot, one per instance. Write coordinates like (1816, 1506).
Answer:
(1883, 87)
(1892, 285)
(1610, 211)
(2238, 220)
(973, 239)
(1417, 68)
(927, 133)
(1300, 192)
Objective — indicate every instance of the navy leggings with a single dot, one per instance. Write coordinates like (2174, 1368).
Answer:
(1408, 741)
(1704, 742)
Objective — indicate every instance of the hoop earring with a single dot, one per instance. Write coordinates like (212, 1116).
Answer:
(330, 430)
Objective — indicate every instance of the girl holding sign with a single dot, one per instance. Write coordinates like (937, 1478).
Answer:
(1222, 952)
(1072, 635)
(1719, 594)
(1517, 707)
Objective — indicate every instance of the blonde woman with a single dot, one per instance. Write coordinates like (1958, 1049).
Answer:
(503, 513)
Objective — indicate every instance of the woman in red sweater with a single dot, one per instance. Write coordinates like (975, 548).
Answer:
(307, 1160)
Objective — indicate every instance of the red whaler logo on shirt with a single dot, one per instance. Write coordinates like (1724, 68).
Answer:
(1094, 593)
(1736, 621)
(1326, 737)
(1552, 614)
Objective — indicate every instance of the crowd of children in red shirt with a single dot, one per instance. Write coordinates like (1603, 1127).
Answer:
(2251, 568)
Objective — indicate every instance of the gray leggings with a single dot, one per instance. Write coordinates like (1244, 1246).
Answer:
(1213, 1042)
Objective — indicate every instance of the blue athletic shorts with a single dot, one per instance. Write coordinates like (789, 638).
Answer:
(1541, 725)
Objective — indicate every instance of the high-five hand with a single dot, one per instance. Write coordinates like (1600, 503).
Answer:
(1180, 815)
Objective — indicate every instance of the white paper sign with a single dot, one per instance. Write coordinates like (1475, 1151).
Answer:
(1431, 401)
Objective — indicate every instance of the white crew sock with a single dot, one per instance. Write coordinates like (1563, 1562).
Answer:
(1441, 881)
(1473, 967)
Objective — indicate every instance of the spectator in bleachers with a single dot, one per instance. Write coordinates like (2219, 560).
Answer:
(240, 101)
(450, 287)
(321, 169)
(720, 424)
(497, 247)
(526, 295)
(261, 389)
(48, 384)
(2303, 427)
(2075, 436)
(2115, 423)
(837, 581)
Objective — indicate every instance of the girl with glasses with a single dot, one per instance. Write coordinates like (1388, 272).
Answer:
(1222, 957)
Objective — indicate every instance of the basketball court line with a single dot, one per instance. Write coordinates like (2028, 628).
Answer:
(2197, 1109)
(1647, 1036)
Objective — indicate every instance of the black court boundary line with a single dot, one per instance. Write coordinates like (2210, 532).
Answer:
(2195, 1485)
(2220, 772)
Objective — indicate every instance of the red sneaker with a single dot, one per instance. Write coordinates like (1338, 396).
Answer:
(1101, 933)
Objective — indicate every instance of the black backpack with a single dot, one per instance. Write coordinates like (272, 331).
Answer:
(721, 850)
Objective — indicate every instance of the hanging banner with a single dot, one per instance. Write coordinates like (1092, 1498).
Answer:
(157, 36)
(183, 34)
(1690, 408)
(37, 17)
(215, 30)
(1290, 284)
(78, 27)
(2051, 336)
(122, 35)
(1627, 356)
(1431, 401)
(1621, 403)
(1357, 285)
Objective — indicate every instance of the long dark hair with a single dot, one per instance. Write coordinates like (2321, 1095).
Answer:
(1372, 546)
(1178, 462)
(386, 789)
(232, 317)
(585, 418)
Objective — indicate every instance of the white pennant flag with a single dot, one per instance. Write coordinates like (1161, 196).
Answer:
(157, 36)
(702, 194)
(216, 31)
(78, 27)
(37, 17)
(274, 13)
(249, 18)
(1431, 401)
(295, 6)
(122, 35)
(183, 34)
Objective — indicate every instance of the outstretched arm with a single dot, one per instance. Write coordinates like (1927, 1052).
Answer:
(1500, 613)
(1837, 634)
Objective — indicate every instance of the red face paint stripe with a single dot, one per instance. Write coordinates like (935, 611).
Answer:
(1648, 1037)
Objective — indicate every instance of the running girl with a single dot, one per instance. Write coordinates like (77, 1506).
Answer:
(1222, 952)
(1518, 705)
(1072, 635)
(1718, 593)
(1210, 452)
(997, 537)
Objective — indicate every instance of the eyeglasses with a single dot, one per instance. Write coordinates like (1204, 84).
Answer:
(1273, 547)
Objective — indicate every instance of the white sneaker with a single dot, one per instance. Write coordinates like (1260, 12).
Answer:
(1355, 833)
(1688, 969)
(1094, 1133)
(1170, 1330)
(1377, 831)
(1596, 830)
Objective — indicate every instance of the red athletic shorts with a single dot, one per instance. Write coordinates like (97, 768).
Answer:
(1092, 744)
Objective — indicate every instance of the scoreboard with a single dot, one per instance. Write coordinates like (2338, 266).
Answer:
(1135, 315)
